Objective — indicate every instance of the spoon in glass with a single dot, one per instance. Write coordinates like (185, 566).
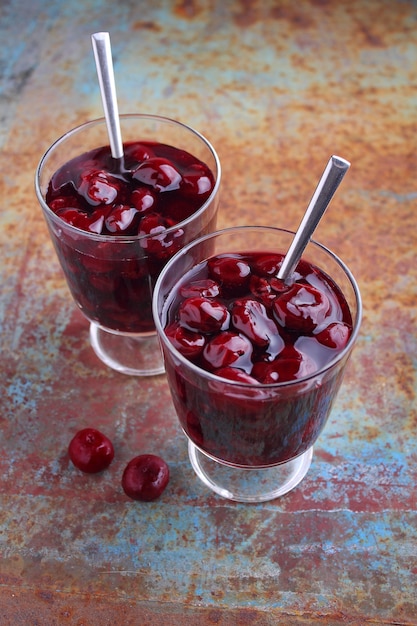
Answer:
(104, 65)
(331, 178)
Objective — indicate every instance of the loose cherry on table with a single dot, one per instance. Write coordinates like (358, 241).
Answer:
(145, 477)
(91, 451)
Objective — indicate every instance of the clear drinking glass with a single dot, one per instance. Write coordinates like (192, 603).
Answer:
(247, 442)
(111, 278)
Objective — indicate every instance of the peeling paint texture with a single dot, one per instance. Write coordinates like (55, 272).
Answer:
(277, 87)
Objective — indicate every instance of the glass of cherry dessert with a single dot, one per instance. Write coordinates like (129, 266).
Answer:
(114, 223)
(254, 364)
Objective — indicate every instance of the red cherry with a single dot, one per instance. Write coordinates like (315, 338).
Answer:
(93, 222)
(231, 272)
(189, 343)
(91, 451)
(151, 224)
(143, 199)
(65, 202)
(261, 289)
(203, 315)
(267, 264)
(139, 151)
(97, 220)
(233, 373)
(250, 317)
(277, 285)
(226, 349)
(196, 181)
(145, 477)
(158, 173)
(160, 243)
(122, 219)
(335, 335)
(99, 187)
(289, 365)
(302, 308)
(206, 288)
(75, 217)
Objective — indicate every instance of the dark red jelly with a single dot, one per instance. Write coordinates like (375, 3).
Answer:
(253, 331)
(158, 187)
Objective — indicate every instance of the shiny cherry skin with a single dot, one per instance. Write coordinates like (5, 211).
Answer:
(302, 308)
(239, 376)
(203, 315)
(335, 335)
(232, 273)
(250, 317)
(291, 364)
(206, 288)
(143, 200)
(121, 219)
(189, 343)
(195, 181)
(91, 451)
(159, 173)
(145, 477)
(99, 188)
(227, 349)
(267, 264)
(75, 217)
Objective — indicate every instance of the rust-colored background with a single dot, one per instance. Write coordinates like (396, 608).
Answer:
(277, 87)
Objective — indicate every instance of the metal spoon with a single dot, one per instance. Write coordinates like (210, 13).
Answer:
(332, 177)
(104, 64)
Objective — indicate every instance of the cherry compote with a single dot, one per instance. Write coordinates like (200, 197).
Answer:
(232, 317)
(91, 451)
(145, 200)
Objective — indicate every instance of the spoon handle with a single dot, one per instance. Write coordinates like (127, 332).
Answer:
(332, 177)
(104, 64)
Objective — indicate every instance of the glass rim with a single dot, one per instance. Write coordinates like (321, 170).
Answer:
(124, 238)
(263, 386)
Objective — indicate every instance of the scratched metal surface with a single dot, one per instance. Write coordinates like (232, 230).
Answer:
(277, 87)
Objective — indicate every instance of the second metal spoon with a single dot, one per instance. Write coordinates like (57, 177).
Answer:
(332, 177)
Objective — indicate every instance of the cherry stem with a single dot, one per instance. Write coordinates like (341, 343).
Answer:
(332, 176)
(104, 64)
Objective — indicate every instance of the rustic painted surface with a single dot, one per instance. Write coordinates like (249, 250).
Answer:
(277, 87)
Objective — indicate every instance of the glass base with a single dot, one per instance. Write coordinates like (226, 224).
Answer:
(129, 354)
(249, 484)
